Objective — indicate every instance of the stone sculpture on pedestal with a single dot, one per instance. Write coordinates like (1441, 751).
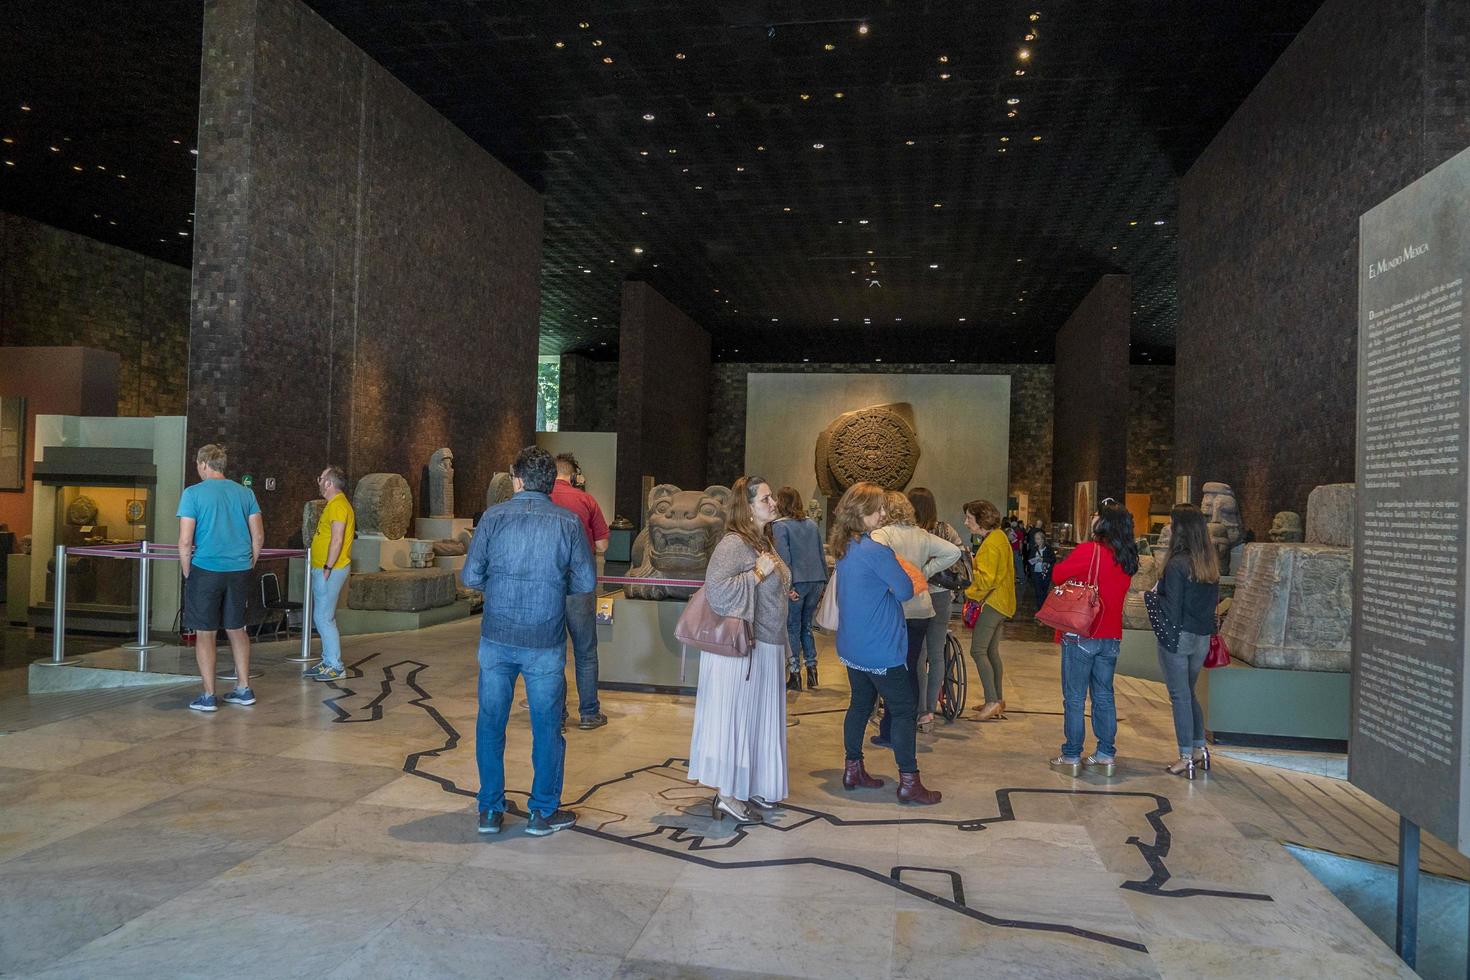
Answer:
(1135, 613)
(1332, 513)
(1286, 527)
(81, 512)
(878, 445)
(441, 483)
(683, 528)
(383, 505)
(502, 488)
(421, 554)
(311, 517)
(1222, 513)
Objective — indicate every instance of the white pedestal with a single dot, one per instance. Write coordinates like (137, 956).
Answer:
(374, 553)
(439, 528)
(455, 562)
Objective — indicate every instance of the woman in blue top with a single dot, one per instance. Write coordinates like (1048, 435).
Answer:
(799, 543)
(872, 639)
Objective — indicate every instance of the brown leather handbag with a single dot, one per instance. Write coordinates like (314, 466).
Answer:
(704, 629)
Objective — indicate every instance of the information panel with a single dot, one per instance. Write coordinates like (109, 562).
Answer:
(1409, 653)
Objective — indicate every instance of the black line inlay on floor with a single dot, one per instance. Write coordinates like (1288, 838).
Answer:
(693, 842)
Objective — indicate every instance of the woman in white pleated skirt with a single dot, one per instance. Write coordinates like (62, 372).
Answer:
(738, 747)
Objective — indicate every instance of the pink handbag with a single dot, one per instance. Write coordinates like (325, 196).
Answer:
(704, 629)
(1073, 606)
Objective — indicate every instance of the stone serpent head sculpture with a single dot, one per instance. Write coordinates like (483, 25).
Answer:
(683, 528)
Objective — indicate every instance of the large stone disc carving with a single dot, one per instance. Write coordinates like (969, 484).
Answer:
(383, 504)
(877, 445)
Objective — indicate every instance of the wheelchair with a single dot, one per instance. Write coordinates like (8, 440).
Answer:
(952, 691)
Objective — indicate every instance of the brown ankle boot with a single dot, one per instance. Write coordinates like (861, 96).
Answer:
(911, 790)
(855, 775)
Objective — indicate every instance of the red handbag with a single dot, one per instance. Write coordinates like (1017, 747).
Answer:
(1073, 606)
(971, 613)
(1219, 655)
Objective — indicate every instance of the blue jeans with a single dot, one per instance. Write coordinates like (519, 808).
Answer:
(799, 613)
(582, 627)
(1087, 668)
(544, 671)
(325, 590)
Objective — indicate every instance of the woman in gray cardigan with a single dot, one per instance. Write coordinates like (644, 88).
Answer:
(738, 747)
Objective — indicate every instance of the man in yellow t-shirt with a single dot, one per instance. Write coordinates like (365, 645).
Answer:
(330, 559)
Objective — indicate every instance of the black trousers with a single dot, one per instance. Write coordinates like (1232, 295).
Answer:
(918, 630)
(897, 689)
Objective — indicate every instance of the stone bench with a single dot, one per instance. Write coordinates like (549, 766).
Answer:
(408, 590)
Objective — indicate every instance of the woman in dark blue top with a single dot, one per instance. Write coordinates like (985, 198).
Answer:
(872, 640)
(1189, 589)
(799, 543)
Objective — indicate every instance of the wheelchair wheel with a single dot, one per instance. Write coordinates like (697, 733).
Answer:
(952, 691)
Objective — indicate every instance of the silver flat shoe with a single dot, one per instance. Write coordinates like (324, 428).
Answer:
(739, 815)
(761, 804)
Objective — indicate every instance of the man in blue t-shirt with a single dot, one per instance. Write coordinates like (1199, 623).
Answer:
(220, 536)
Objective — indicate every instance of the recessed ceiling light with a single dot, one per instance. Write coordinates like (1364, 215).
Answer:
(76, 167)
(1132, 223)
(775, 319)
(56, 149)
(560, 44)
(644, 213)
(1036, 139)
(10, 163)
(877, 360)
(23, 108)
(862, 28)
(607, 61)
(760, 149)
(1158, 222)
(597, 43)
(184, 234)
(672, 150)
(834, 319)
(1011, 114)
(709, 115)
(962, 319)
(740, 170)
(699, 187)
(898, 319)
(804, 96)
(837, 95)
(583, 24)
(587, 270)
(866, 320)
(862, 221)
(1024, 54)
(944, 59)
(1030, 37)
(1001, 150)
(1020, 71)
(870, 251)
(951, 360)
(1005, 139)
(643, 153)
(944, 76)
(1035, 16)
(786, 209)
(648, 117)
(933, 265)
(1013, 101)
(679, 55)
(938, 205)
(684, 171)
(829, 46)
(100, 167)
(819, 146)
(805, 359)
(122, 176)
(908, 142)
(637, 250)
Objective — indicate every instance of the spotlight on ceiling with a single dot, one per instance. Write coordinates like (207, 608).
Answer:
(1013, 101)
(648, 117)
(863, 29)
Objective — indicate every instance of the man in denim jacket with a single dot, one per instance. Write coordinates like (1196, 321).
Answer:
(527, 556)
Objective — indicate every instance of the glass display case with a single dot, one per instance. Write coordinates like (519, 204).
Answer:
(88, 515)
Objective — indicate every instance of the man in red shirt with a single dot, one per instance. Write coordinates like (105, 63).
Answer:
(582, 608)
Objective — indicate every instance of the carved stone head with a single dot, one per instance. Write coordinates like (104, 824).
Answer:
(1287, 526)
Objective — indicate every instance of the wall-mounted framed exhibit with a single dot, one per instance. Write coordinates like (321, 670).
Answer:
(962, 422)
(12, 443)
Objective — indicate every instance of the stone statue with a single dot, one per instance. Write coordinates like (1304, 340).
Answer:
(683, 528)
(81, 511)
(25, 544)
(1292, 607)
(383, 505)
(878, 444)
(1332, 514)
(1222, 513)
(502, 488)
(1135, 613)
(450, 547)
(421, 554)
(311, 517)
(441, 483)
(1287, 526)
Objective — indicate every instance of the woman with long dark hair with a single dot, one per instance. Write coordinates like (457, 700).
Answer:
(799, 543)
(1188, 591)
(931, 660)
(872, 641)
(738, 746)
(1109, 561)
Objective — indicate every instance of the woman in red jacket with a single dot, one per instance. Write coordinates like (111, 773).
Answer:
(1110, 559)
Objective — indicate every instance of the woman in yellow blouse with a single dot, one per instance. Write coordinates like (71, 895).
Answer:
(993, 586)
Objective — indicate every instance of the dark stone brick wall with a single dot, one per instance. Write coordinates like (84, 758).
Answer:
(1091, 396)
(1368, 98)
(59, 289)
(365, 284)
(663, 396)
(1031, 413)
(1151, 435)
(589, 394)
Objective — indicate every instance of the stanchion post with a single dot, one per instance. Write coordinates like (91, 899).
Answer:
(58, 615)
(306, 656)
(145, 609)
(1406, 931)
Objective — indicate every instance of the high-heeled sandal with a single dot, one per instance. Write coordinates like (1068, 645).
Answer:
(740, 816)
(926, 724)
(1202, 760)
(1184, 767)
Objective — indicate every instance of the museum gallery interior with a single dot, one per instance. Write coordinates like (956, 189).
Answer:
(1156, 295)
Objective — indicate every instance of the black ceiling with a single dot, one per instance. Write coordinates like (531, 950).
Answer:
(929, 224)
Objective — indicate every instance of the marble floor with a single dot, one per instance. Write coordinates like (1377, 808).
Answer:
(328, 830)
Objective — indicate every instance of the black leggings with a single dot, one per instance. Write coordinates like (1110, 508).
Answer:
(897, 688)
